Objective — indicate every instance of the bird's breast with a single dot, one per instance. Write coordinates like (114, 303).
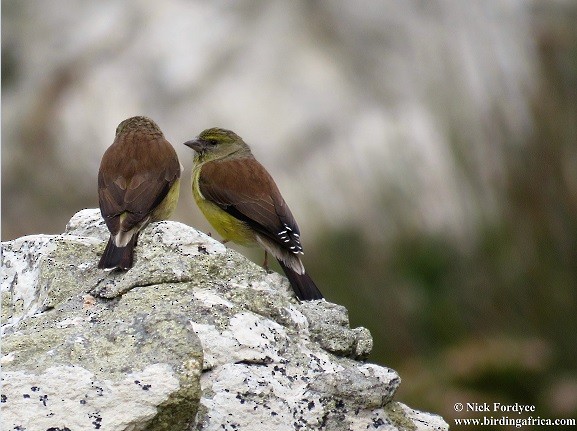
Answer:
(228, 227)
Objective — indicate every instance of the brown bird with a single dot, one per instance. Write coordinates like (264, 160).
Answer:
(242, 202)
(138, 182)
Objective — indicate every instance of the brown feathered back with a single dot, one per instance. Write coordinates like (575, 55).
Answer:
(136, 173)
(244, 189)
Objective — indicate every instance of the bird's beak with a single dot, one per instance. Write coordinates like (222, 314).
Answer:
(196, 144)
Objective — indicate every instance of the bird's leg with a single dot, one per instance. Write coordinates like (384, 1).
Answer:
(265, 263)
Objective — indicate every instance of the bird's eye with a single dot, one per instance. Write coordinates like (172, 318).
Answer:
(212, 141)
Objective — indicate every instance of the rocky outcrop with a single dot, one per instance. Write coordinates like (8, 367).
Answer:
(195, 336)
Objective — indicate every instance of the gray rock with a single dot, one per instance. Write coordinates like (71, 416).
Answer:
(194, 336)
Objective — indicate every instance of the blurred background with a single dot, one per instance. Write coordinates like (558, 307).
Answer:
(428, 150)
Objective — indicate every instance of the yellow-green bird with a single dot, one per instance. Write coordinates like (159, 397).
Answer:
(138, 183)
(242, 202)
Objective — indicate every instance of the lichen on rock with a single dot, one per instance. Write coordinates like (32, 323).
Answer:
(194, 336)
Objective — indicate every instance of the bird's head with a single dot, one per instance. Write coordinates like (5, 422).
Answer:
(216, 143)
(139, 123)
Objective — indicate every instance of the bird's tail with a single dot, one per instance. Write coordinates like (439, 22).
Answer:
(118, 257)
(303, 286)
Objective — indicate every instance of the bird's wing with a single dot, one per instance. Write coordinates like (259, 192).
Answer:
(244, 189)
(135, 185)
